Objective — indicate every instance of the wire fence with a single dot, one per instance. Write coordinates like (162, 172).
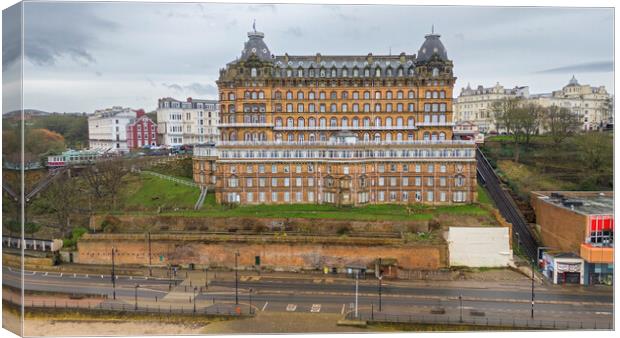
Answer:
(226, 310)
(484, 321)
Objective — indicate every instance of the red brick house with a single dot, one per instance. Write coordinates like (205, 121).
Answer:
(142, 131)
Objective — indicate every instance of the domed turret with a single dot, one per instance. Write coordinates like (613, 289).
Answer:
(432, 46)
(256, 46)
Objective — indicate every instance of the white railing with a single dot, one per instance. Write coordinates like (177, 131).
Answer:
(335, 143)
(230, 125)
(319, 128)
(435, 124)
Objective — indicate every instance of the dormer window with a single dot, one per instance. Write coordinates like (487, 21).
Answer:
(333, 72)
(322, 72)
(355, 72)
(367, 72)
(253, 72)
(300, 72)
(378, 72)
(345, 72)
(435, 72)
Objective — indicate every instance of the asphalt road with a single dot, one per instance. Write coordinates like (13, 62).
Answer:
(338, 296)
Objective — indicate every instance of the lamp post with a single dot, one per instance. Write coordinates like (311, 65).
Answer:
(250, 293)
(195, 289)
(135, 296)
(356, 288)
(150, 263)
(206, 278)
(380, 277)
(461, 308)
(236, 280)
(113, 275)
(532, 314)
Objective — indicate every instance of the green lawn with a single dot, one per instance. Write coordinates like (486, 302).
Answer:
(147, 192)
(393, 212)
(483, 197)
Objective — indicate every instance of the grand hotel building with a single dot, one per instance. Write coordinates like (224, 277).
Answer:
(347, 130)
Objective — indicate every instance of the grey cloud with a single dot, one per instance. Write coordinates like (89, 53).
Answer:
(588, 67)
(55, 30)
(11, 36)
(295, 31)
(195, 87)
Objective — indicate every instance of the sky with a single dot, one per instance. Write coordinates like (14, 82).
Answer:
(85, 56)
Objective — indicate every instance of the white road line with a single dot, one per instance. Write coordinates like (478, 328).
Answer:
(46, 273)
(342, 311)
(61, 274)
(265, 306)
(74, 275)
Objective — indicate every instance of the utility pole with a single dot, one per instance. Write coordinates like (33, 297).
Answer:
(195, 289)
(532, 315)
(356, 288)
(113, 276)
(236, 280)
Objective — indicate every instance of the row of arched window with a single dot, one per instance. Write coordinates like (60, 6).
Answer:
(343, 72)
(312, 137)
(434, 94)
(344, 122)
(344, 95)
(344, 108)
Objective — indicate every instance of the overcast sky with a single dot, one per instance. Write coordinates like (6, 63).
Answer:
(85, 56)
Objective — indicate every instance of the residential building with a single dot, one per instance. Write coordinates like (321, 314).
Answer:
(107, 129)
(193, 121)
(346, 130)
(467, 130)
(592, 105)
(141, 132)
(578, 225)
(476, 105)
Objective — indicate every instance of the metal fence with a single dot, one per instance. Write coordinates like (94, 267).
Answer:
(512, 322)
(171, 178)
(227, 310)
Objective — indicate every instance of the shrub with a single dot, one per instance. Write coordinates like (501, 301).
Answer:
(110, 224)
(344, 229)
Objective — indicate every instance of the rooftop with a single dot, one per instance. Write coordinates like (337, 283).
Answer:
(582, 202)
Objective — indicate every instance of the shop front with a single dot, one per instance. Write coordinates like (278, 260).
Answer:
(563, 268)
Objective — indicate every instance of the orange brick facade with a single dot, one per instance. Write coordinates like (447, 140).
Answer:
(347, 130)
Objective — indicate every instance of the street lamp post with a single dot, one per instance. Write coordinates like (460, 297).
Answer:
(250, 293)
(206, 278)
(461, 308)
(380, 277)
(135, 296)
(532, 314)
(195, 289)
(356, 289)
(236, 280)
(113, 276)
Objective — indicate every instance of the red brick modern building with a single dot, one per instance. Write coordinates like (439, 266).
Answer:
(142, 131)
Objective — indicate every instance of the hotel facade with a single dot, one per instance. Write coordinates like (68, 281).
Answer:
(346, 130)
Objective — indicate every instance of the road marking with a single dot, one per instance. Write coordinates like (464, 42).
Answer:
(342, 311)
(74, 275)
(264, 306)
(603, 313)
(87, 276)
(101, 276)
(46, 273)
(291, 307)
(61, 274)
(315, 308)
(317, 281)
(130, 277)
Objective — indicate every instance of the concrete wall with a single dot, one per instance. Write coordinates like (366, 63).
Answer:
(479, 247)
(279, 254)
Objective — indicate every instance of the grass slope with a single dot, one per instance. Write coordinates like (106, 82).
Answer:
(147, 192)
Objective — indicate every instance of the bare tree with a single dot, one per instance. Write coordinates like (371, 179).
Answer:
(560, 122)
(105, 178)
(507, 115)
(61, 199)
(530, 119)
